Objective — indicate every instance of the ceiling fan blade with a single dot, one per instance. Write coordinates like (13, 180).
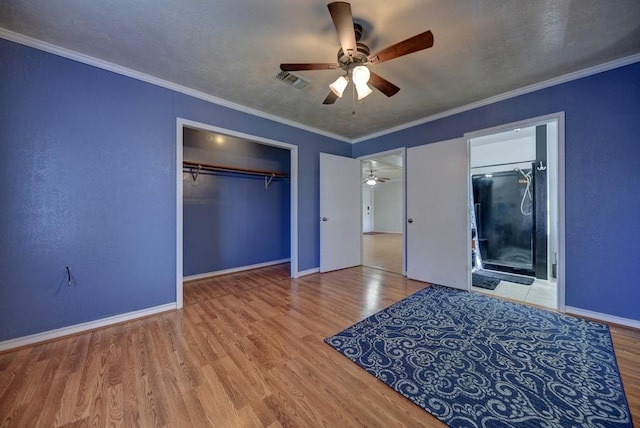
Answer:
(383, 85)
(331, 98)
(343, 21)
(312, 66)
(405, 47)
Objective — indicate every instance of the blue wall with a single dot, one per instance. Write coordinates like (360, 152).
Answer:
(230, 220)
(602, 173)
(87, 180)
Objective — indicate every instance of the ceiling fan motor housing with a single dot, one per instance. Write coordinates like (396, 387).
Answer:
(357, 29)
(361, 57)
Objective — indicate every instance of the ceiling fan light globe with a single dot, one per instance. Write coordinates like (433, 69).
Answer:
(360, 75)
(363, 90)
(339, 85)
(371, 182)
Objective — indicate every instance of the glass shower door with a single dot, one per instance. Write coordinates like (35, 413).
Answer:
(504, 211)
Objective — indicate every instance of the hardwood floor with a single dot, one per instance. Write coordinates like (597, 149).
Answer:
(383, 251)
(247, 350)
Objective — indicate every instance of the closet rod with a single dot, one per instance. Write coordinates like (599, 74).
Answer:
(204, 166)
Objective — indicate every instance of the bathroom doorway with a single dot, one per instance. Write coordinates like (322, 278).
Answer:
(514, 212)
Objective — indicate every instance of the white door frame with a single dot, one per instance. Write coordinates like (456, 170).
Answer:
(402, 151)
(293, 179)
(559, 118)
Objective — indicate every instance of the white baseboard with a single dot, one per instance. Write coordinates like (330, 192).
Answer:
(603, 317)
(308, 272)
(79, 328)
(234, 270)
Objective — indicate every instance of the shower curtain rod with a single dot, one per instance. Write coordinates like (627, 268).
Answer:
(208, 167)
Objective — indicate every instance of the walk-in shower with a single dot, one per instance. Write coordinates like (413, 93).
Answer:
(504, 208)
(510, 201)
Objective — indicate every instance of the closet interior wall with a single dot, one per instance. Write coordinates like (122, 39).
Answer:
(233, 219)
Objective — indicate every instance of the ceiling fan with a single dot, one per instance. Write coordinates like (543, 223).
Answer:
(373, 179)
(353, 57)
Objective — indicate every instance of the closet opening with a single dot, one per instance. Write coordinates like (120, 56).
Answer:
(236, 204)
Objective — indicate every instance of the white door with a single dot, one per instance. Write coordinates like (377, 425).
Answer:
(340, 199)
(438, 227)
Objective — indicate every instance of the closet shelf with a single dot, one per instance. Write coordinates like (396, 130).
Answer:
(208, 167)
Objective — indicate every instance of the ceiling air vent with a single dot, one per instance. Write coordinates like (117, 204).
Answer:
(292, 79)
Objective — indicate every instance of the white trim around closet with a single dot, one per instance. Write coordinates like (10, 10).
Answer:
(293, 177)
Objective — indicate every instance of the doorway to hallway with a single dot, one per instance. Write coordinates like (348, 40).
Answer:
(382, 251)
(383, 211)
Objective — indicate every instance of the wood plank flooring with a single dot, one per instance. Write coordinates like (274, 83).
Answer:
(383, 251)
(246, 351)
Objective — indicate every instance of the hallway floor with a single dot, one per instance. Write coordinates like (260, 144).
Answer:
(382, 251)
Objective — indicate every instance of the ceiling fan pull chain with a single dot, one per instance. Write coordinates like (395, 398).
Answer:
(353, 99)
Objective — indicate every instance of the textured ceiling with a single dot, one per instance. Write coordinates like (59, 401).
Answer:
(232, 49)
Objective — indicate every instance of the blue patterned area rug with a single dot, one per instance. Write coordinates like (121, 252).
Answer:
(476, 361)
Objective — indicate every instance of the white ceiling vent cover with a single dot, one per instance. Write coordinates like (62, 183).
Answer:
(292, 79)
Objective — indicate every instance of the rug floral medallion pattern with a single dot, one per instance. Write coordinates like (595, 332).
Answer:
(476, 361)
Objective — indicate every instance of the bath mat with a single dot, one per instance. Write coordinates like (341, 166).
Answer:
(484, 282)
(475, 361)
(524, 280)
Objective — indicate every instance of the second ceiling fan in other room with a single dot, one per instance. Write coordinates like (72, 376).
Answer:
(373, 179)
(354, 57)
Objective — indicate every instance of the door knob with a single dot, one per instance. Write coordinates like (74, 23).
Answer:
(410, 220)
(324, 219)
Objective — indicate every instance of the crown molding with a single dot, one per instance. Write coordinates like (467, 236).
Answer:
(621, 62)
(105, 65)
